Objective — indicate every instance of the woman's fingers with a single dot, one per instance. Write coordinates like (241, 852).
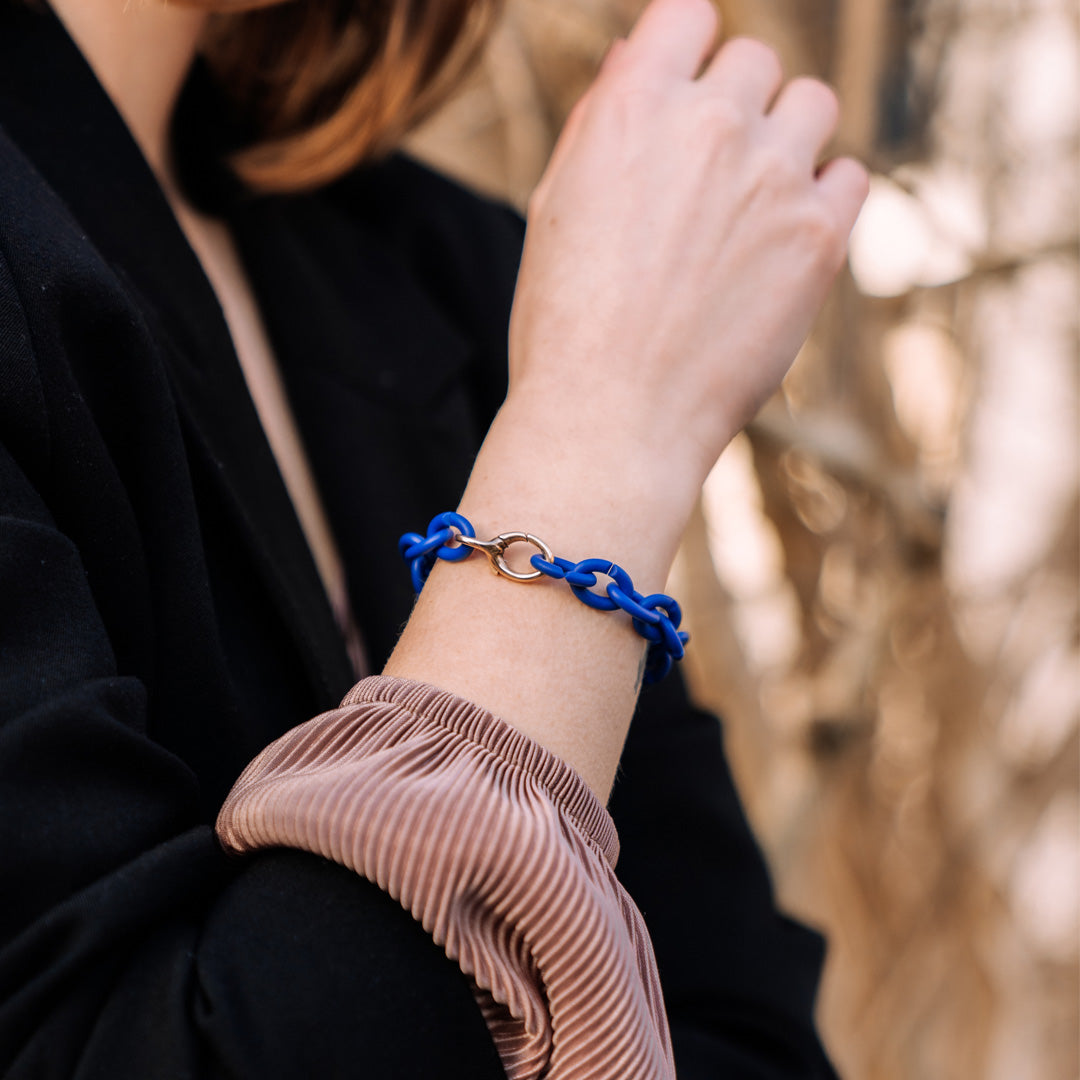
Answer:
(702, 301)
(746, 72)
(844, 184)
(805, 117)
(673, 37)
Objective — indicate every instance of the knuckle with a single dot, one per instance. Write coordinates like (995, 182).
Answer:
(629, 106)
(817, 96)
(702, 11)
(777, 169)
(859, 178)
(614, 51)
(617, 63)
(821, 234)
(622, 72)
(625, 86)
(720, 117)
(756, 54)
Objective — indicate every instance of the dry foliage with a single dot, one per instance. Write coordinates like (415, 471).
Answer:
(882, 580)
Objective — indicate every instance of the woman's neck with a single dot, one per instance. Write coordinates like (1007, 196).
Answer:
(141, 51)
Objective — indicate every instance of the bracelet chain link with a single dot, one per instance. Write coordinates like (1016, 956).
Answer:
(656, 617)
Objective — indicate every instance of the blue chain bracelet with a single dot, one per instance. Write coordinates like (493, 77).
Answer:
(656, 618)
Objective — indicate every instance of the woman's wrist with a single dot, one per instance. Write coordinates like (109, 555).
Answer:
(588, 489)
(561, 673)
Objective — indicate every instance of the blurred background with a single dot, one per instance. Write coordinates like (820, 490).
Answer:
(881, 582)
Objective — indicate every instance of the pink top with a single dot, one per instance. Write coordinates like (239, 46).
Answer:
(496, 846)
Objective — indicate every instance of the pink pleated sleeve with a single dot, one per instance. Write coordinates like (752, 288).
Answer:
(496, 846)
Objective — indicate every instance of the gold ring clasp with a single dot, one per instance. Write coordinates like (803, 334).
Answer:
(495, 550)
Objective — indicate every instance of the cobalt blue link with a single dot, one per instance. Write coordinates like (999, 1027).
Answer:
(420, 552)
(656, 617)
(621, 593)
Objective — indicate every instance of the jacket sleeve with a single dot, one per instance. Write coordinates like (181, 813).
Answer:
(497, 847)
(739, 977)
(131, 946)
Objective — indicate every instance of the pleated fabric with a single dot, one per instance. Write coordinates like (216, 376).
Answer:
(496, 846)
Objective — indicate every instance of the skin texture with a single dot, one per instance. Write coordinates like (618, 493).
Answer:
(678, 248)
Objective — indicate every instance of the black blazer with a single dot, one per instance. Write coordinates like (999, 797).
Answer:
(161, 620)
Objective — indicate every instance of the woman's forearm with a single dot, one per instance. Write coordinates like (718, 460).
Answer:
(678, 248)
(560, 672)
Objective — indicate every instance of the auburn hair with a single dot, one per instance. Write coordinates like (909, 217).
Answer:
(326, 84)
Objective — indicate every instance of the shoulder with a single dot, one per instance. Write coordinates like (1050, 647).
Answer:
(46, 256)
(38, 234)
(70, 327)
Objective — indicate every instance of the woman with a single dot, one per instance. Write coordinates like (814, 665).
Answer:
(226, 390)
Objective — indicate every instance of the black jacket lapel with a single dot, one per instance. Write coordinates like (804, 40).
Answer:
(378, 381)
(98, 171)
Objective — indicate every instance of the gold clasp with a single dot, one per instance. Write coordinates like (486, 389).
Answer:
(495, 550)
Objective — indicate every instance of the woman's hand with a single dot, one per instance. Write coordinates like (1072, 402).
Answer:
(678, 248)
(679, 244)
